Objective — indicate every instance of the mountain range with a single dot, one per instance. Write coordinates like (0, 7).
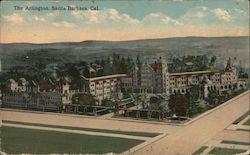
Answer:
(13, 54)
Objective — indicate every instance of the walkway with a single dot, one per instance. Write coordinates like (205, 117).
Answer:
(76, 131)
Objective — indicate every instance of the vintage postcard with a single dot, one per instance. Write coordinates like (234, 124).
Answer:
(130, 77)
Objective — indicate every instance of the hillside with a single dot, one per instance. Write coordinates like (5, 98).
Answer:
(222, 47)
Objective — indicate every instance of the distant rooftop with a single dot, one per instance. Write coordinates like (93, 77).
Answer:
(189, 73)
(105, 77)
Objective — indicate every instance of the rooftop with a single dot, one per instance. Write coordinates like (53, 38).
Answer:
(105, 77)
(45, 86)
(190, 73)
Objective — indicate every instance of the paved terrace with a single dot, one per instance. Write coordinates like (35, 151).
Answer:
(180, 139)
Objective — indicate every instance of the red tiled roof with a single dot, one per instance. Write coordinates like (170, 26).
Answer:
(45, 86)
(226, 71)
(155, 66)
(63, 82)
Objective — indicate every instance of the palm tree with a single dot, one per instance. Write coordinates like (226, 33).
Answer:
(144, 100)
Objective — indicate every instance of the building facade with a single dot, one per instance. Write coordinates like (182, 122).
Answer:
(37, 95)
(149, 78)
(104, 87)
(146, 78)
(155, 78)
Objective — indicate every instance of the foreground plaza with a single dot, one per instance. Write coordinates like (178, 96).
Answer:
(220, 129)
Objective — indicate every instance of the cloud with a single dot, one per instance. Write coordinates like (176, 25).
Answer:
(39, 19)
(76, 14)
(14, 18)
(159, 18)
(242, 1)
(88, 16)
(114, 15)
(222, 14)
(50, 14)
(112, 24)
(197, 12)
(168, 20)
(109, 15)
(199, 16)
(240, 12)
(64, 24)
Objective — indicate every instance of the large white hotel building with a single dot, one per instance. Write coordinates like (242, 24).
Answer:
(155, 78)
(148, 78)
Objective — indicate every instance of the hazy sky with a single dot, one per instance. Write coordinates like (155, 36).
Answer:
(122, 20)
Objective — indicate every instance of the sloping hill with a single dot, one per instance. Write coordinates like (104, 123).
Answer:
(223, 47)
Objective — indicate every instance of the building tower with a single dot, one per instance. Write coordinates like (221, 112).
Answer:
(165, 76)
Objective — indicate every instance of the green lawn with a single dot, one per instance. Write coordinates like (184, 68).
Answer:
(226, 151)
(241, 117)
(142, 134)
(247, 122)
(20, 140)
(246, 130)
(200, 150)
(235, 142)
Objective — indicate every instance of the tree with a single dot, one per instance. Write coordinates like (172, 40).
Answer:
(178, 104)
(122, 66)
(164, 106)
(138, 62)
(107, 68)
(201, 106)
(243, 75)
(192, 96)
(144, 100)
(108, 103)
(197, 107)
(84, 99)
(212, 97)
(212, 62)
(129, 64)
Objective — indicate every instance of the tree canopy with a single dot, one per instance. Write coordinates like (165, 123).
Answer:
(178, 104)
